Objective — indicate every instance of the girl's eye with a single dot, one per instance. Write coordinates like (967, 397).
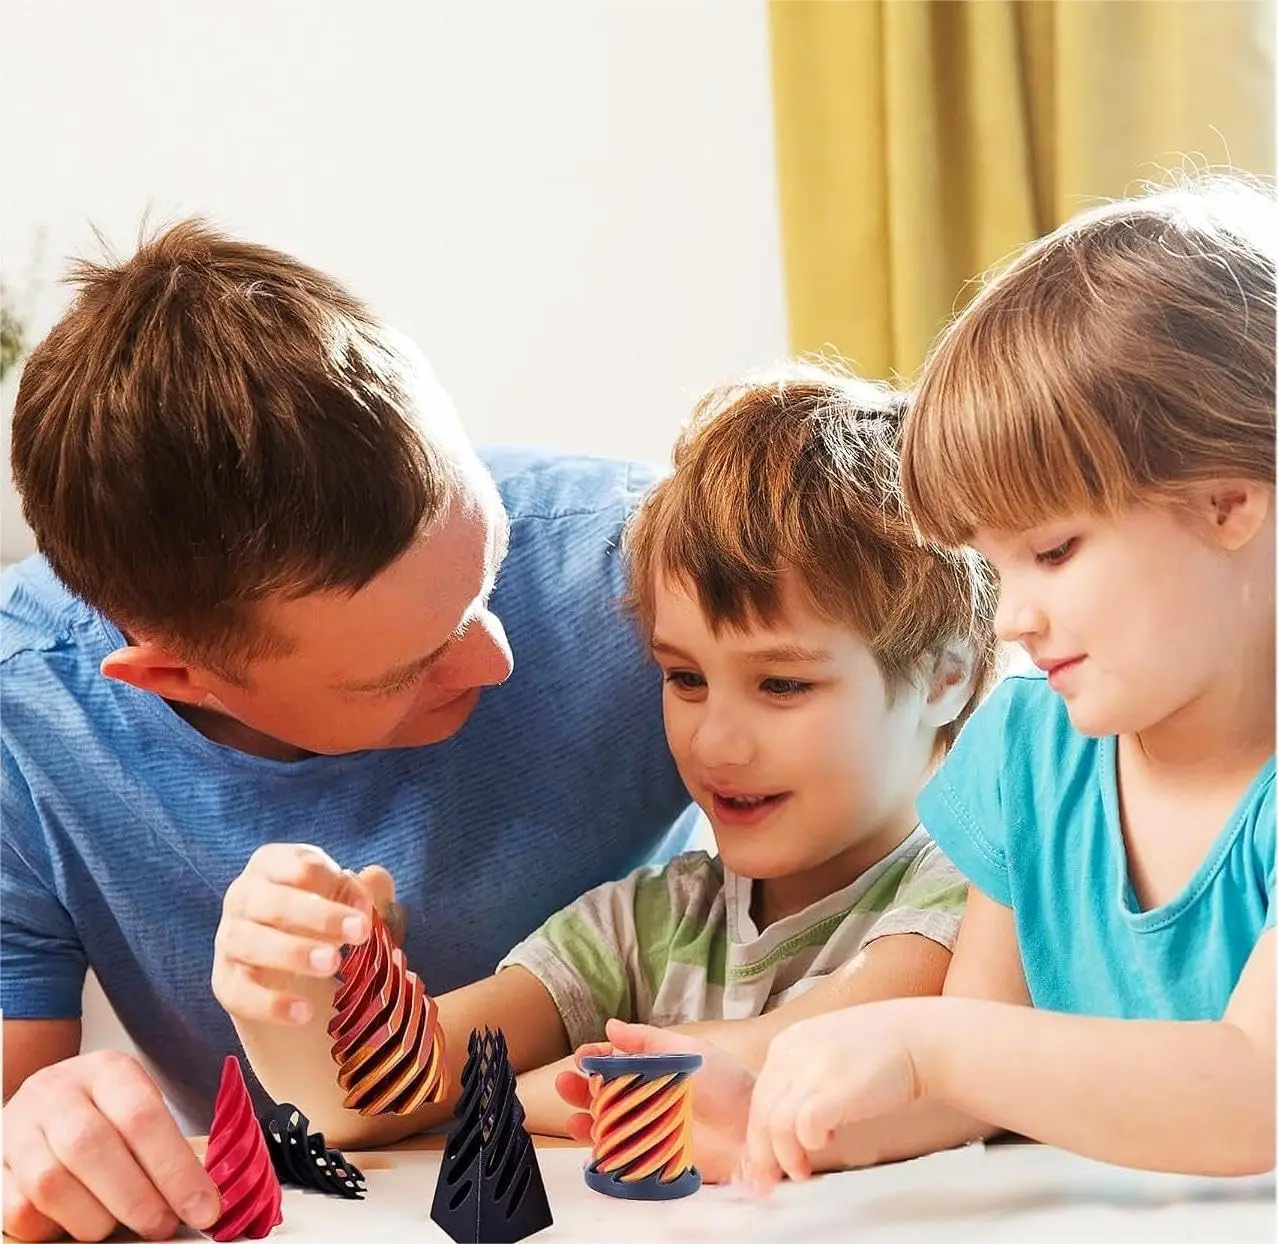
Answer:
(784, 688)
(1060, 553)
(685, 680)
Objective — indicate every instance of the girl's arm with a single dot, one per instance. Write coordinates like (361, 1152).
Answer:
(1164, 1095)
(986, 966)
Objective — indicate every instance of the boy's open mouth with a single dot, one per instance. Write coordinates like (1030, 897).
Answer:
(744, 809)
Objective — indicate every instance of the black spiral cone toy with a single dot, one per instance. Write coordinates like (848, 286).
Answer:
(490, 1189)
(302, 1160)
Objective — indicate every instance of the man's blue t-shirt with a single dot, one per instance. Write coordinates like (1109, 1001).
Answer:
(1028, 809)
(122, 826)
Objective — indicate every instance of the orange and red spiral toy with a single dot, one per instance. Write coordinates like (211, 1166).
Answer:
(641, 1110)
(387, 1042)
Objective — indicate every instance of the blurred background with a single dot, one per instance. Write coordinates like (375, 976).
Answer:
(587, 211)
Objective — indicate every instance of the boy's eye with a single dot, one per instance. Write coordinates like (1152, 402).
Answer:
(784, 688)
(685, 680)
(1057, 554)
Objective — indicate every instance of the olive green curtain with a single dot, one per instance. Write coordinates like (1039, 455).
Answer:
(921, 141)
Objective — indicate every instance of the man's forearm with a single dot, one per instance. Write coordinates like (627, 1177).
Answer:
(1160, 1095)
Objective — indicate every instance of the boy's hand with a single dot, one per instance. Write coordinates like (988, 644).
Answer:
(720, 1094)
(821, 1073)
(284, 920)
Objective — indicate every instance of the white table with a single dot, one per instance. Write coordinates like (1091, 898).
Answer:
(1022, 1193)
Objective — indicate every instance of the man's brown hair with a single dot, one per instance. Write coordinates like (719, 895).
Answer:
(213, 422)
(798, 471)
(1126, 357)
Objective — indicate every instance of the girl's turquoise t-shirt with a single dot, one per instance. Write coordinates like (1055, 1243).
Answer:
(1028, 809)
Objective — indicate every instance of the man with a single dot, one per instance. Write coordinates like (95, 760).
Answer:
(275, 581)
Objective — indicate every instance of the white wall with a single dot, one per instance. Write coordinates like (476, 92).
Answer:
(570, 204)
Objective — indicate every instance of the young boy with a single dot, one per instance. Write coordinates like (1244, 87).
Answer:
(817, 663)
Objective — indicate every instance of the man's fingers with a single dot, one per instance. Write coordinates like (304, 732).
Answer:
(133, 1105)
(244, 996)
(377, 883)
(22, 1221)
(303, 913)
(90, 1147)
(299, 865)
(261, 946)
(54, 1193)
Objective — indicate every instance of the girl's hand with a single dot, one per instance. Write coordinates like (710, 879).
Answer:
(824, 1072)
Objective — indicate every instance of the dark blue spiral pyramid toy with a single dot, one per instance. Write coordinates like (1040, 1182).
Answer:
(490, 1189)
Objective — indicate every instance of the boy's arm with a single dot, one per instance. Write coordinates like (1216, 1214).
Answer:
(294, 1064)
(907, 954)
(899, 965)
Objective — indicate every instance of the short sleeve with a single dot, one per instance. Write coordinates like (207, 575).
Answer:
(42, 961)
(962, 806)
(929, 900)
(583, 956)
(1265, 820)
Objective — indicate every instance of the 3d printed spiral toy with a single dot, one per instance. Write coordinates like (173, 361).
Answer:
(641, 1109)
(239, 1164)
(387, 1043)
(303, 1160)
(489, 1189)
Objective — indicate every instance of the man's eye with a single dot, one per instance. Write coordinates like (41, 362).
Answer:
(1058, 554)
(784, 688)
(404, 684)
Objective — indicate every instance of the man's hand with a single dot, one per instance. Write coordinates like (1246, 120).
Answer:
(89, 1143)
(284, 921)
(844, 1067)
(720, 1094)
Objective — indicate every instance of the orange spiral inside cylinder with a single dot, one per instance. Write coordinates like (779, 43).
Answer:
(387, 1043)
(641, 1133)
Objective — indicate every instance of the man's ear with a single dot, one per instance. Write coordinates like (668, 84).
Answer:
(949, 684)
(151, 667)
(1236, 509)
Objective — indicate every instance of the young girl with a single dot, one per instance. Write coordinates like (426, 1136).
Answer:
(1099, 423)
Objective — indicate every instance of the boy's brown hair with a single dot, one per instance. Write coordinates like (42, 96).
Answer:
(1125, 357)
(213, 422)
(798, 471)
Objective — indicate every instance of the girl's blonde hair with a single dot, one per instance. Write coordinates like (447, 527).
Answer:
(1124, 357)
